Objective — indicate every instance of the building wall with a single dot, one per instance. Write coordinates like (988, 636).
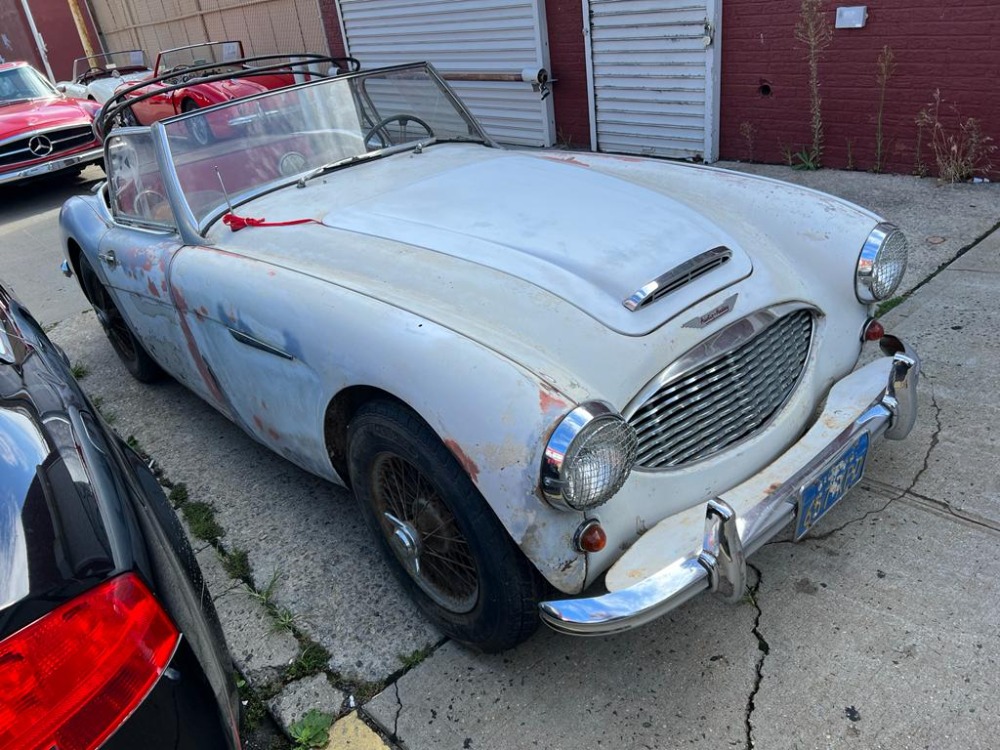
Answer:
(569, 66)
(950, 45)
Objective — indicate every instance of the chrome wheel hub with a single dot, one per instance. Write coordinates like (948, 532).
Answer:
(406, 541)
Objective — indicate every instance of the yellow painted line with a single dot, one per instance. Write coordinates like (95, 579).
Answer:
(350, 733)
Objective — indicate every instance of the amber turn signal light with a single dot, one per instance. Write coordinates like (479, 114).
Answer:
(591, 537)
(873, 330)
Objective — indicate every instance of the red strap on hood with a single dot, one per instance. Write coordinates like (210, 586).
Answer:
(236, 223)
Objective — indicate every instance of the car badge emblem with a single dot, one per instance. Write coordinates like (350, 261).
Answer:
(40, 145)
(714, 314)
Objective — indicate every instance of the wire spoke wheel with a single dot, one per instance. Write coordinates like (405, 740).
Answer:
(424, 534)
(114, 324)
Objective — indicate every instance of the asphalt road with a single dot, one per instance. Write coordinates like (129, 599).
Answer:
(30, 250)
(882, 631)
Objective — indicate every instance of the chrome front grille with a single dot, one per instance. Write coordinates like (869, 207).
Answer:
(55, 142)
(718, 402)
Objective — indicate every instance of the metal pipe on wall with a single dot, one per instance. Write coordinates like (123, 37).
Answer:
(39, 42)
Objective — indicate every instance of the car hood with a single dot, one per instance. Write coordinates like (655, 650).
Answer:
(588, 238)
(37, 114)
(103, 88)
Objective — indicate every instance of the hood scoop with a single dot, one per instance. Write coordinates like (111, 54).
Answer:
(677, 277)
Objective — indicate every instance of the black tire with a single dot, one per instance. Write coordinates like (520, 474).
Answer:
(473, 583)
(127, 119)
(136, 359)
(198, 128)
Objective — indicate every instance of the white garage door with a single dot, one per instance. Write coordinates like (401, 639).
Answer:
(654, 77)
(464, 39)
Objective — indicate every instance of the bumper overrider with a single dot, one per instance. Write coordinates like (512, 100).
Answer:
(79, 159)
(879, 400)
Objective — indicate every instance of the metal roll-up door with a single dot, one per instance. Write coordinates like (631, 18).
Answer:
(464, 39)
(654, 78)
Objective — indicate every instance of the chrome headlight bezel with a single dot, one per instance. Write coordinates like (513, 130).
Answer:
(589, 424)
(880, 256)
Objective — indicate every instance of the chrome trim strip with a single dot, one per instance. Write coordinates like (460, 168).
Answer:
(677, 277)
(720, 565)
(95, 155)
(256, 343)
(45, 131)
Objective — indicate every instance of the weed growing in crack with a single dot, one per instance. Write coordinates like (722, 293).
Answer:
(312, 730)
(313, 659)
(201, 519)
(959, 153)
(886, 306)
(266, 595)
(178, 496)
(409, 661)
(885, 67)
(236, 563)
(98, 404)
(79, 371)
(814, 33)
(284, 619)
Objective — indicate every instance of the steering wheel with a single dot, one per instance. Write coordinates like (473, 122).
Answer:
(402, 119)
(150, 204)
(91, 73)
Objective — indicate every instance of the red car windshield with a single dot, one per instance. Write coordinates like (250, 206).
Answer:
(23, 84)
(223, 53)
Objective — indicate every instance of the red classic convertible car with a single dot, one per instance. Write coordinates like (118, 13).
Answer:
(205, 67)
(42, 131)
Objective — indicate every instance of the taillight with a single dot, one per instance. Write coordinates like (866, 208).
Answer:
(70, 678)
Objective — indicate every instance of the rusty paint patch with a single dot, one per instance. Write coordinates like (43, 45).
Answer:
(258, 422)
(467, 463)
(201, 313)
(546, 401)
(199, 361)
(273, 433)
(772, 488)
(622, 157)
(152, 289)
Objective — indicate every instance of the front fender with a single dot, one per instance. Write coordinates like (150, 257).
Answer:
(82, 224)
(319, 339)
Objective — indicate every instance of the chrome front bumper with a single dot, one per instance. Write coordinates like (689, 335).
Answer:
(55, 165)
(720, 565)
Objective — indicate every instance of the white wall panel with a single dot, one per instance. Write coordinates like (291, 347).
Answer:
(463, 36)
(653, 74)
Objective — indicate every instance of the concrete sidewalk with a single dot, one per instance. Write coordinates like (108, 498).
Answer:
(880, 631)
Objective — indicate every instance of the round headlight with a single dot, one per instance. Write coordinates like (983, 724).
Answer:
(881, 264)
(588, 458)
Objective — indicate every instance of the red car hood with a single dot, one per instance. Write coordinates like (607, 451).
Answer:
(235, 89)
(37, 114)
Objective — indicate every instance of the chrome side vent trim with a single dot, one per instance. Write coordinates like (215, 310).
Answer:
(677, 277)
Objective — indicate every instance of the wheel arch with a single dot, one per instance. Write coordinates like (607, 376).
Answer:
(339, 412)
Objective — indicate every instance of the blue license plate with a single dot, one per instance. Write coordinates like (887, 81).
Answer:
(818, 497)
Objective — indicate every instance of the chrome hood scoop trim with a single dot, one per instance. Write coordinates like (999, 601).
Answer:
(677, 277)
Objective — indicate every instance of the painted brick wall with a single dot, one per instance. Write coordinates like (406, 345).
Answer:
(569, 65)
(951, 45)
(331, 24)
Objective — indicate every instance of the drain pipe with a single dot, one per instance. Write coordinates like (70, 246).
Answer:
(39, 42)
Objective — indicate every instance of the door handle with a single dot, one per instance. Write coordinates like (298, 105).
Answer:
(109, 258)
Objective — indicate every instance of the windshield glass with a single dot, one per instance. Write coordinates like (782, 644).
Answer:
(19, 84)
(294, 133)
(200, 54)
(108, 63)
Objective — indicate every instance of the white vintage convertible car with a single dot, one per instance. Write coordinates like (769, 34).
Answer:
(97, 76)
(563, 386)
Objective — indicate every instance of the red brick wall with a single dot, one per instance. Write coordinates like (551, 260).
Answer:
(569, 65)
(331, 23)
(951, 45)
